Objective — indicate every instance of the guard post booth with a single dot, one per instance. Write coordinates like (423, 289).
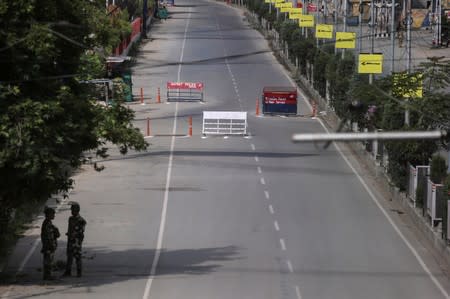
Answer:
(279, 100)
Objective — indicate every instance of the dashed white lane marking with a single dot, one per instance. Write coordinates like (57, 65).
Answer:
(256, 159)
(277, 227)
(253, 147)
(289, 264)
(297, 291)
(266, 194)
(263, 182)
(271, 210)
(259, 170)
(283, 245)
(236, 89)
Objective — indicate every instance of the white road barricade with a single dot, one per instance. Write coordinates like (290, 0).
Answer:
(224, 123)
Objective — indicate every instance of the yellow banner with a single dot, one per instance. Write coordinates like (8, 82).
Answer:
(279, 1)
(296, 9)
(370, 64)
(345, 40)
(324, 31)
(295, 15)
(285, 7)
(407, 87)
(306, 21)
(267, 1)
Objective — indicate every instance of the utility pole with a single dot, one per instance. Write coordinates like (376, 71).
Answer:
(439, 23)
(317, 11)
(335, 20)
(408, 50)
(304, 11)
(408, 36)
(317, 21)
(361, 10)
(345, 23)
(393, 35)
(372, 37)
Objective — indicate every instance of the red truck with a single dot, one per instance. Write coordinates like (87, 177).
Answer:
(279, 100)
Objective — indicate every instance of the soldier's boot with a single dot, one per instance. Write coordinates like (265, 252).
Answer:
(48, 275)
(79, 267)
(67, 273)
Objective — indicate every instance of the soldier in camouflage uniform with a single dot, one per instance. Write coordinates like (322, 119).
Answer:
(75, 236)
(49, 236)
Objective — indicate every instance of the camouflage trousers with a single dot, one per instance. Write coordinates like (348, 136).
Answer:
(74, 252)
(48, 262)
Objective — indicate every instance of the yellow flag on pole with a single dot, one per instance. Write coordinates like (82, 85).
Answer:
(370, 64)
(407, 88)
(306, 21)
(285, 7)
(324, 31)
(345, 40)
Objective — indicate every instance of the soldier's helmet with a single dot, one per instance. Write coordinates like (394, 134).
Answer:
(49, 211)
(75, 207)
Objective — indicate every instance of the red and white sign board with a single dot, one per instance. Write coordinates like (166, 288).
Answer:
(185, 85)
(311, 7)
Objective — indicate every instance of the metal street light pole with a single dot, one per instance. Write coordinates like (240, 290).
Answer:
(372, 33)
(408, 51)
(361, 10)
(360, 136)
(345, 23)
(393, 35)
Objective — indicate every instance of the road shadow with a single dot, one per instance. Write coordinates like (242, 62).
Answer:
(189, 157)
(103, 266)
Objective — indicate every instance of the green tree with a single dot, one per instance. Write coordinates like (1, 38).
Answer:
(436, 72)
(48, 119)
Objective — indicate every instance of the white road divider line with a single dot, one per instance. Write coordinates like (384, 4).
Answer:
(277, 227)
(263, 182)
(297, 291)
(253, 147)
(266, 194)
(256, 159)
(271, 210)
(162, 223)
(283, 245)
(289, 264)
(259, 170)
